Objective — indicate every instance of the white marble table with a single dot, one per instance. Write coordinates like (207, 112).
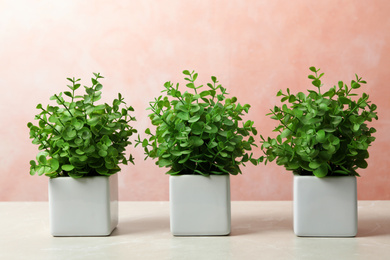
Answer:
(260, 230)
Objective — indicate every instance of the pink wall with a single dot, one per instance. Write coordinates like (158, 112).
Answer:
(253, 47)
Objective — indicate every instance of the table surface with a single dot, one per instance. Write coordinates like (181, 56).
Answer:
(260, 230)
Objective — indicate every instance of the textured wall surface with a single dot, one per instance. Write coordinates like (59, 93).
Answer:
(254, 48)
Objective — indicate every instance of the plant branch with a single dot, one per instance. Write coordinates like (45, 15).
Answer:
(154, 111)
(281, 120)
(63, 104)
(50, 125)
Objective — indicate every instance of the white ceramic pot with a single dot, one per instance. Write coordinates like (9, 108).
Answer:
(199, 205)
(325, 207)
(83, 207)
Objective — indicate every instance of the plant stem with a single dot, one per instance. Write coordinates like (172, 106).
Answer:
(179, 98)
(63, 104)
(50, 125)
(73, 90)
(357, 106)
(52, 115)
(154, 111)
(281, 120)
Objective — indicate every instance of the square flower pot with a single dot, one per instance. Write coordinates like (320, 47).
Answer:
(199, 205)
(83, 207)
(325, 207)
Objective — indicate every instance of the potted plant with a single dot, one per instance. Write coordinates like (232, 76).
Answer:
(323, 138)
(199, 136)
(81, 146)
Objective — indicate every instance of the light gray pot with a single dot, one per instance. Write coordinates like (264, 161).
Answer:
(83, 207)
(199, 205)
(325, 207)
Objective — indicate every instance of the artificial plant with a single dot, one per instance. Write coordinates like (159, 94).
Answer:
(199, 131)
(323, 132)
(80, 138)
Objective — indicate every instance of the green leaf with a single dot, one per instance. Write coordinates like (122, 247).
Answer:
(279, 139)
(286, 133)
(194, 108)
(355, 85)
(321, 171)
(190, 85)
(197, 128)
(54, 164)
(314, 164)
(42, 159)
(98, 87)
(336, 120)
(204, 93)
(185, 159)
(316, 83)
(103, 153)
(67, 167)
(102, 171)
(42, 123)
(164, 163)
(77, 124)
(313, 69)
(212, 144)
(94, 81)
(223, 154)
(320, 136)
(228, 122)
(362, 164)
(344, 100)
(341, 172)
(176, 153)
(334, 140)
(93, 121)
(68, 93)
(196, 141)
(291, 99)
(194, 119)
(183, 116)
(217, 118)
(283, 99)
(211, 129)
(340, 84)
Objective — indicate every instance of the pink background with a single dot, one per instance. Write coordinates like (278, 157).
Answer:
(254, 48)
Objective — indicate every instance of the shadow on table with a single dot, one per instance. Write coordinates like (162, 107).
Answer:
(369, 227)
(243, 225)
(240, 225)
(141, 225)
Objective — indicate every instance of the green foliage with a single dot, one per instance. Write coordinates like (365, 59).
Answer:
(322, 134)
(198, 132)
(79, 138)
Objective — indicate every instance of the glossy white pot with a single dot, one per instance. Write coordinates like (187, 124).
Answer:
(83, 207)
(325, 207)
(199, 205)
